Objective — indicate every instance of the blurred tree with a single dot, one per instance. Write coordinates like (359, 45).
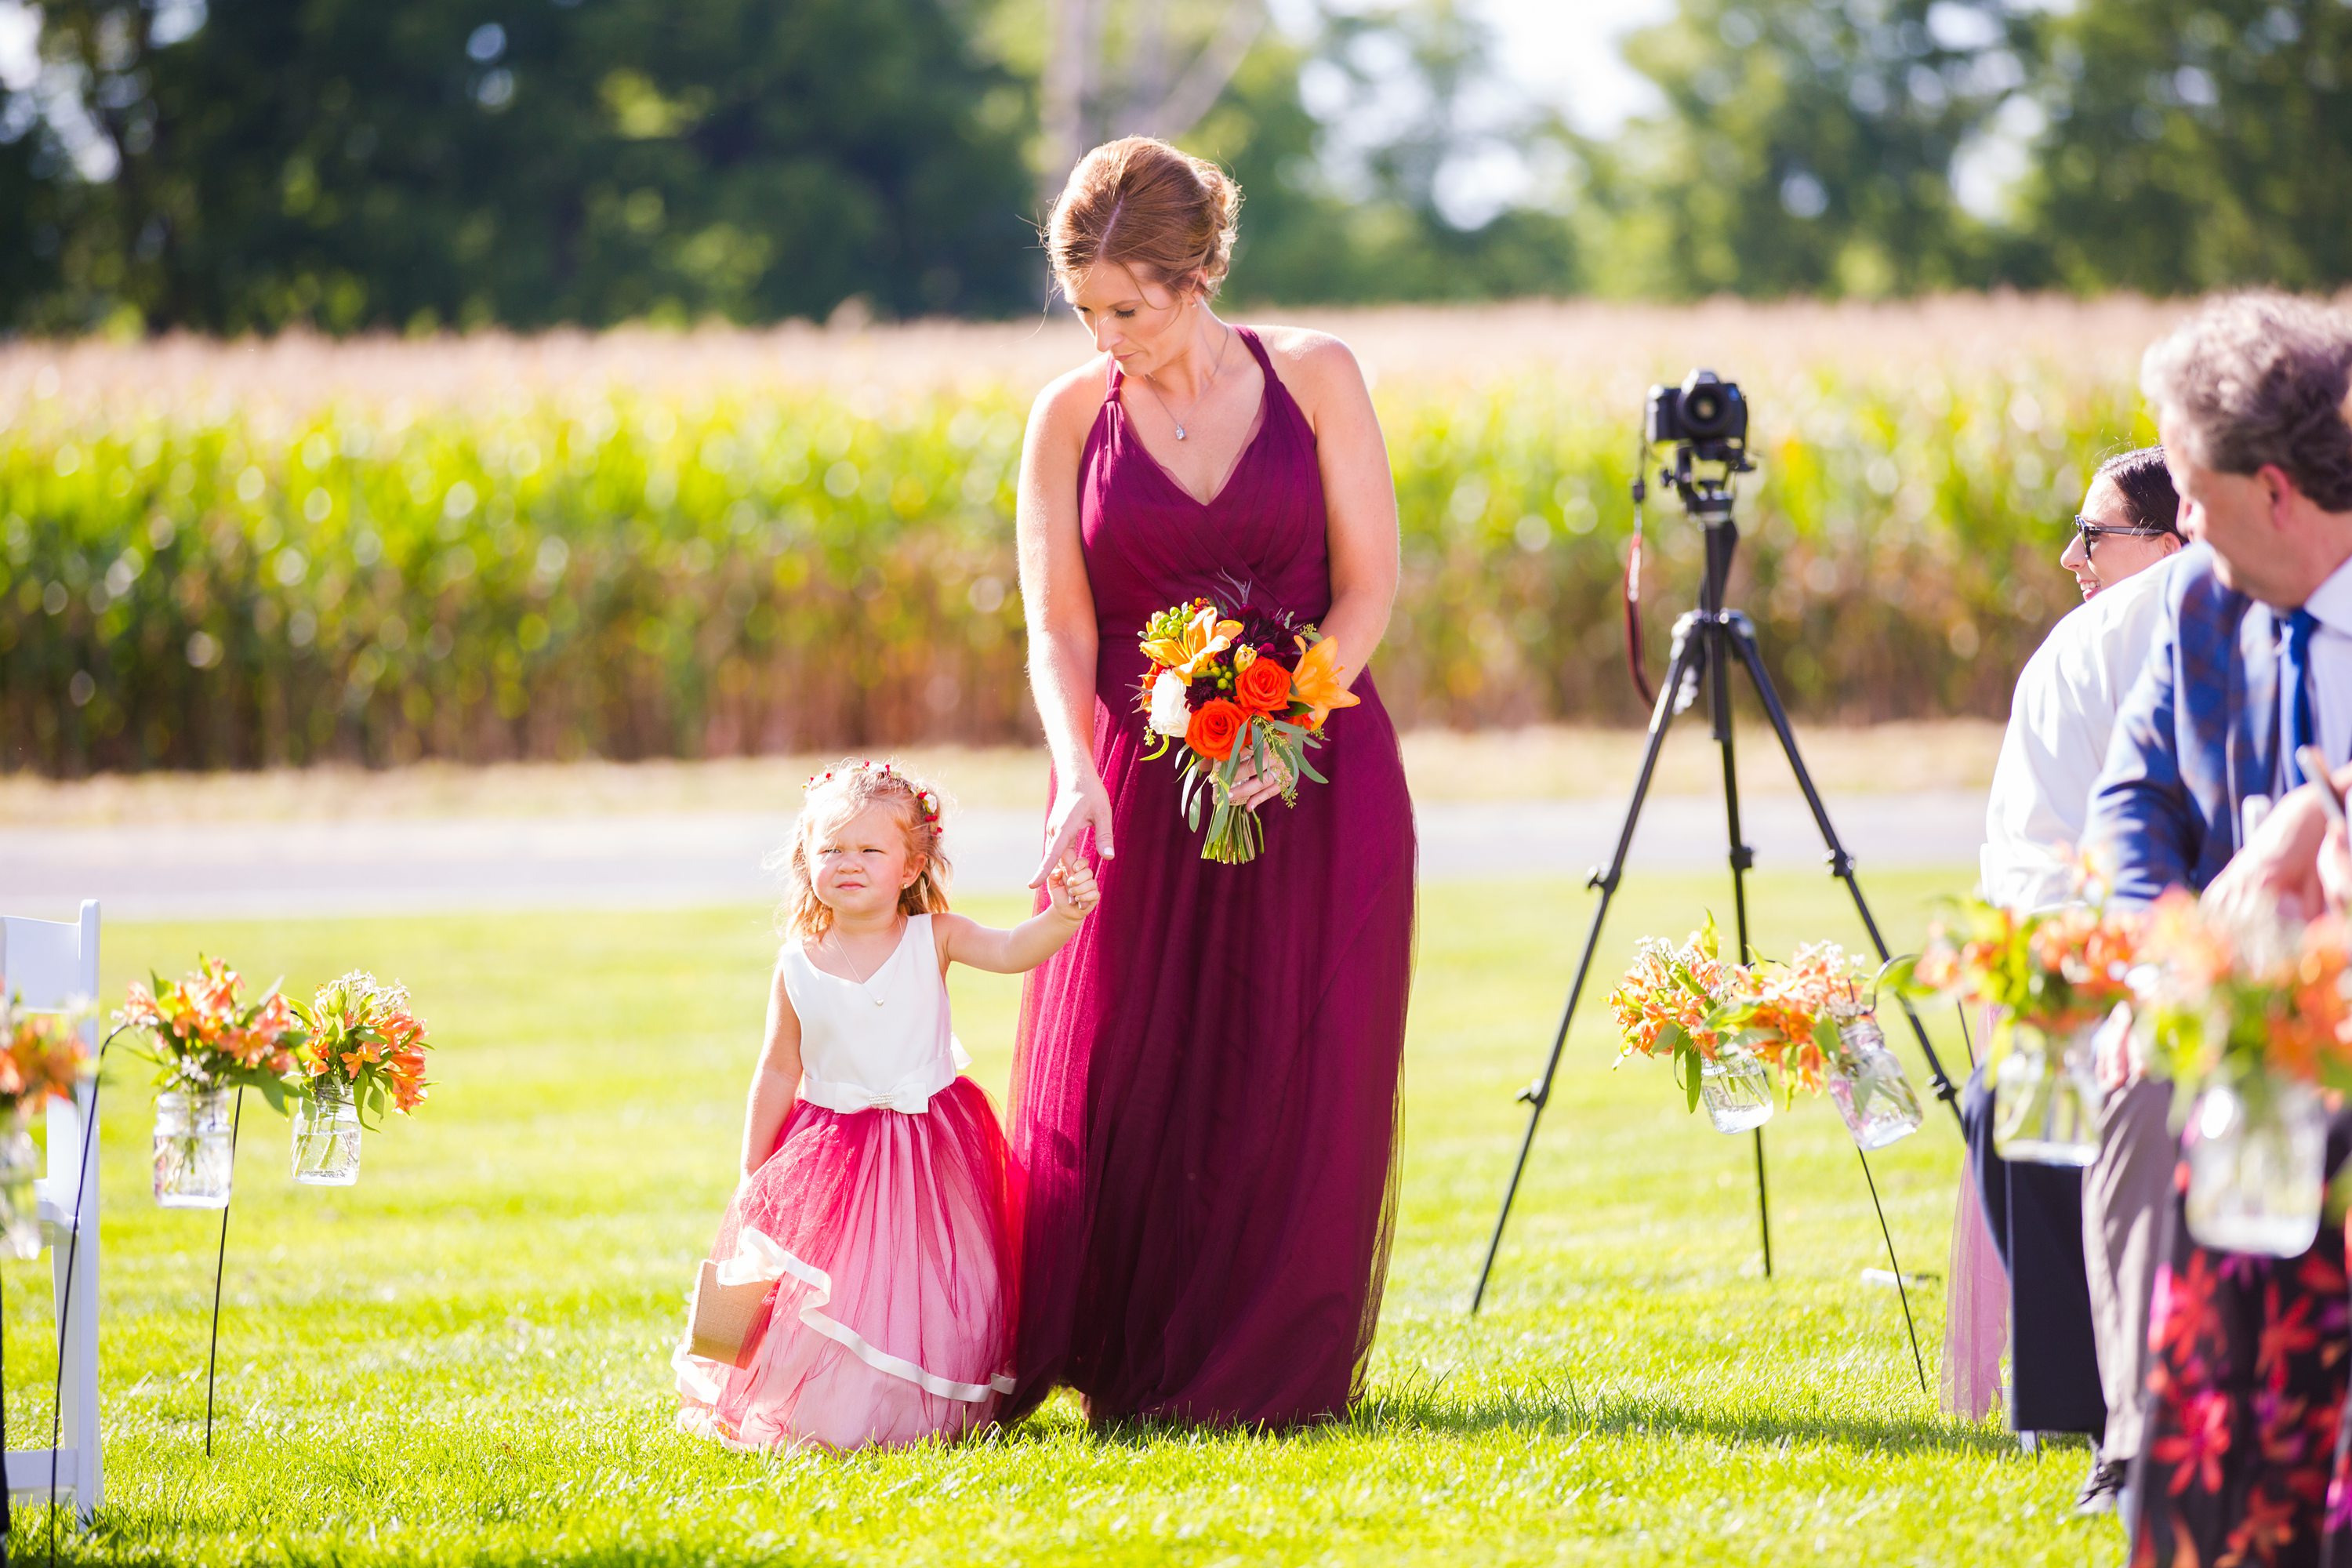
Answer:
(1807, 146)
(532, 162)
(1110, 70)
(1413, 174)
(2191, 145)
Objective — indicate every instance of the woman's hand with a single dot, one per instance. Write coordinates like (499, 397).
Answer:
(1253, 789)
(1082, 804)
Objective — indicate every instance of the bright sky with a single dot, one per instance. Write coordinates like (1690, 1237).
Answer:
(1565, 52)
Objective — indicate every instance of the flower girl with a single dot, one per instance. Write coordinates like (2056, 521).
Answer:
(861, 1289)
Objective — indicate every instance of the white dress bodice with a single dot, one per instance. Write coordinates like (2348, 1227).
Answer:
(886, 1043)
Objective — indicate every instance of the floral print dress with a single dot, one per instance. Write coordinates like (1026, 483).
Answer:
(2246, 1391)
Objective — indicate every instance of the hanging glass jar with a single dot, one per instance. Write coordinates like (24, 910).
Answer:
(1868, 1084)
(195, 1155)
(20, 1167)
(1735, 1090)
(2257, 1167)
(326, 1135)
(2046, 1097)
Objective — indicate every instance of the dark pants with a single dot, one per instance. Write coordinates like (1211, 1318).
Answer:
(2035, 1215)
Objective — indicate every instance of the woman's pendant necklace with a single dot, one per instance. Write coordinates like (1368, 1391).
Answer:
(1213, 371)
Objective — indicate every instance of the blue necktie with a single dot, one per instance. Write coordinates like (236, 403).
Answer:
(2296, 727)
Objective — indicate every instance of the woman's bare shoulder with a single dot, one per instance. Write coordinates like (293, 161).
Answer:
(1071, 400)
(1310, 361)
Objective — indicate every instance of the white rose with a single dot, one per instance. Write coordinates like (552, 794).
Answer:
(1171, 714)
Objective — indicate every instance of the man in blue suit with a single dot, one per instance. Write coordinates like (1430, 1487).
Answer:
(2251, 661)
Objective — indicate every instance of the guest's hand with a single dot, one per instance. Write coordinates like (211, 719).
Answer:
(1252, 788)
(1071, 890)
(2278, 870)
(2336, 869)
(1082, 804)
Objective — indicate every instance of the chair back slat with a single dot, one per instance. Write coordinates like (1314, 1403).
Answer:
(52, 964)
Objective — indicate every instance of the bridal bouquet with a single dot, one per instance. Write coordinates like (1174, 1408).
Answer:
(1218, 685)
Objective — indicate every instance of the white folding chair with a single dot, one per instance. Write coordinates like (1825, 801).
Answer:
(53, 966)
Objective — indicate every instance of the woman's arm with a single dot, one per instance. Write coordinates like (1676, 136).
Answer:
(1058, 603)
(1070, 888)
(776, 1081)
(1359, 506)
(1358, 497)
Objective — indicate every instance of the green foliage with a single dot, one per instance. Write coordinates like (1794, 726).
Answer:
(1307, 238)
(608, 574)
(1806, 148)
(420, 164)
(464, 1358)
(2194, 144)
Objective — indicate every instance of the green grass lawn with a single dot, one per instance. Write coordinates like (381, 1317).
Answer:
(464, 1357)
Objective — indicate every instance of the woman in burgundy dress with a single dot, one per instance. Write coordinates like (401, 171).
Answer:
(1204, 1101)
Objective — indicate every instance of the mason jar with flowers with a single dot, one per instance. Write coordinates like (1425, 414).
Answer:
(2251, 1019)
(42, 1057)
(2054, 978)
(1672, 1003)
(363, 1055)
(208, 1042)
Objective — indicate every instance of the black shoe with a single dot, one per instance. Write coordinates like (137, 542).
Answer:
(2102, 1487)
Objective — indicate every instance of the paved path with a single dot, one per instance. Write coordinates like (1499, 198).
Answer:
(428, 864)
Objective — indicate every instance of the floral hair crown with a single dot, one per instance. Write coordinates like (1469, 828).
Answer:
(926, 801)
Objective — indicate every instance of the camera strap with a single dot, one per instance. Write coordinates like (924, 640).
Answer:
(1633, 585)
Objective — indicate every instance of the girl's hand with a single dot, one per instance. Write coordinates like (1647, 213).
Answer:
(1082, 804)
(1071, 888)
(1251, 788)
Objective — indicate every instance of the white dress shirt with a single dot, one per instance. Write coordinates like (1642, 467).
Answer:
(2059, 724)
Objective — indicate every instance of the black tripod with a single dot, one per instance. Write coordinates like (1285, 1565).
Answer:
(1706, 641)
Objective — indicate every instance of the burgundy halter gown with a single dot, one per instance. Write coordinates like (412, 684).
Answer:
(1204, 1102)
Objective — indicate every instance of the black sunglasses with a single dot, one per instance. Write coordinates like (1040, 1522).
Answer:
(2092, 532)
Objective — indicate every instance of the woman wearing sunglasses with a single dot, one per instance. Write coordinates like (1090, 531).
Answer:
(2077, 1245)
(2128, 522)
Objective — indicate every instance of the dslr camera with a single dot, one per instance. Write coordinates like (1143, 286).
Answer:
(1705, 415)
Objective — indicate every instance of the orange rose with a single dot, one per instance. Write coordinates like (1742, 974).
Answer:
(1263, 688)
(1216, 725)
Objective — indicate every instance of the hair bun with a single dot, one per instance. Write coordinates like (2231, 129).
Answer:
(1145, 205)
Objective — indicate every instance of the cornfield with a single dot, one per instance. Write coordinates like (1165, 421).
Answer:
(731, 543)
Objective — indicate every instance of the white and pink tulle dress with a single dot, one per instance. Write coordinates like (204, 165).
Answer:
(885, 1220)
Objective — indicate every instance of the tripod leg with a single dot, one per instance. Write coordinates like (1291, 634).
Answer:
(1738, 629)
(1742, 634)
(1680, 665)
(1718, 674)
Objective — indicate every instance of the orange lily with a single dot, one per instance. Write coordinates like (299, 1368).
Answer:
(1316, 682)
(1202, 639)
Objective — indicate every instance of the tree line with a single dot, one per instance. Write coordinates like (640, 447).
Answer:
(436, 163)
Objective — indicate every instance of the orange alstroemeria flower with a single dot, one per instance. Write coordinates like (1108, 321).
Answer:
(1315, 681)
(1203, 638)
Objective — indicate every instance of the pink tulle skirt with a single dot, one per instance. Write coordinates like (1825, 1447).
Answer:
(890, 1240)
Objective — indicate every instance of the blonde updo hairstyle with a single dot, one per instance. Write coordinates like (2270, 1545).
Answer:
(1142, 203)
(834, 797)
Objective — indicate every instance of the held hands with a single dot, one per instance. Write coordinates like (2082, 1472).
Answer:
(1078, 807)
(1070, 887)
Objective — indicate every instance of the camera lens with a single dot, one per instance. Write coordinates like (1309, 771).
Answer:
(1703, 410)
